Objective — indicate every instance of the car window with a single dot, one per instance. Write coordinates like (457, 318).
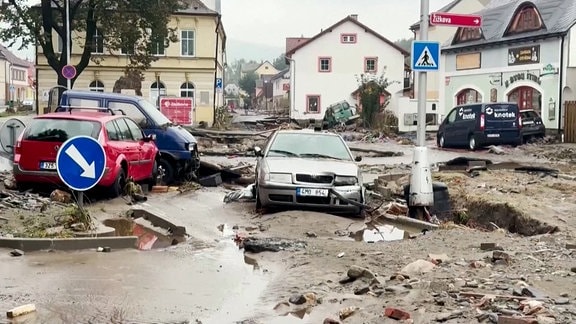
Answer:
(112, 131)
(531, 114)
(134, 129)
(130, 110)
(452, 116)
(123, 130)
(308, 145)
(60, 130)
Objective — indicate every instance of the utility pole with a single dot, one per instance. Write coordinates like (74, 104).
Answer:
(68, 42)
(421, 190)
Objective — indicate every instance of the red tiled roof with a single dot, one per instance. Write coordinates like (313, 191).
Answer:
(293, 42)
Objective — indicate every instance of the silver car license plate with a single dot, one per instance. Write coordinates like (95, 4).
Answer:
(493, 135)
(47, 165)
(311, 192)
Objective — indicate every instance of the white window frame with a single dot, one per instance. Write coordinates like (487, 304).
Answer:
(188, 90)
(97, 88)
(188, 39)
(97, 34)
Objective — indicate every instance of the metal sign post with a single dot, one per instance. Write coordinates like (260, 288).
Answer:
(68, 44)
(425, 57)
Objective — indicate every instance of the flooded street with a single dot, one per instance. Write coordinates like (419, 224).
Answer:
(205, 278)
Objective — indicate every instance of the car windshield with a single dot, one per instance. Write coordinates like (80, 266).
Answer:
(154, 113)
(309, 146)
(60, 130)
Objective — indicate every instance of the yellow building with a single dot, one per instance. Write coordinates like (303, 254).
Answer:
(187, 68)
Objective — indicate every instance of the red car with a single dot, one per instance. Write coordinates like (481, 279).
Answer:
(129, 153)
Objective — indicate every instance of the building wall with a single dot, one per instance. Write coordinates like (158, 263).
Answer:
(443, 34)
(278, 87)
(496, 79)
(19, 78)
(266, 69)
(172, 68)
(3, 82)
(347, 64)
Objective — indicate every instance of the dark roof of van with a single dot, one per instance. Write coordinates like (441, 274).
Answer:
(487, 103)
(95, 94)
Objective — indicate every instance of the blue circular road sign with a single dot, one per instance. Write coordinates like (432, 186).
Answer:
(81, 162)
(69, 72)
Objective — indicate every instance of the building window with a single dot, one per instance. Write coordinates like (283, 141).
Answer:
(370, 64)
(205, 97)
(97, 86)
(18, 75)
(127, 49)
(526, 19)
(527, 98)
(324, 64)
(157, 90)
(98, 43)
(348, 38)
(157, 46)
(187, 43)
(187, 90)
(468, 34)
(468, 96)
(313, 104)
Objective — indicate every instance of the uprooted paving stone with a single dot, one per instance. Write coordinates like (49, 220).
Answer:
(271, 244)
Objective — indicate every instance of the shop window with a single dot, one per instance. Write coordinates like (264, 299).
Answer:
(526, 19)
(467, 96)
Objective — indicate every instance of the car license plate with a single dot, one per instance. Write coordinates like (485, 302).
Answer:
(528, 122)
(311, 192)
(47, 165)
(493, 135)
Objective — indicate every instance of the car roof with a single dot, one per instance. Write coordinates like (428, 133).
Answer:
(88, 116)
(98, 95)
(306, 131)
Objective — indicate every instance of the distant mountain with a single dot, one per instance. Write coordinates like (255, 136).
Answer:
(237, 49)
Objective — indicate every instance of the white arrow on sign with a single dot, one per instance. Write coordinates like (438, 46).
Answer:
(476, 21)
(89, 169)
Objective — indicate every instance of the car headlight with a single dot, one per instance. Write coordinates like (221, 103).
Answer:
(345, 181)
(280, 177)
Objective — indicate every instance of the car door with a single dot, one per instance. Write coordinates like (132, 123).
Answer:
(130, 148)
(143, 168)
(449, 136)
(114, 145)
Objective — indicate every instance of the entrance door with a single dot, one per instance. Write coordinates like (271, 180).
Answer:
(527, 98)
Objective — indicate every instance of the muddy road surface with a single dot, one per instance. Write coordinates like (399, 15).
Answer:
(206, 278)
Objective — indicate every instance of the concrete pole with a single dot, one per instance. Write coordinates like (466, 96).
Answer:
(68, 41)
(421, 189)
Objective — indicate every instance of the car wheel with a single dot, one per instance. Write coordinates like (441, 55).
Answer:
(117, 188)
(441, 141)
(169, 172)
(472, 145)
(153, 176)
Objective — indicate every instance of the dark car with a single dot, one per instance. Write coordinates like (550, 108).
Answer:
(532, 125)
(481, 124)
(179, 151)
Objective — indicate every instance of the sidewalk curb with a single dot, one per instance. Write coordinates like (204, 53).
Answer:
(158, 221)
(69, 244)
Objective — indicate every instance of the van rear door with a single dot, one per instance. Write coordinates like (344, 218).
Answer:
(502, 121)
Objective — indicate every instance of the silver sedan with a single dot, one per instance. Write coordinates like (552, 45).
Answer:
(304, 168)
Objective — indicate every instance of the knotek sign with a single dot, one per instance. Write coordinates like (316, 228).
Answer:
(178, 110)
(456, 20)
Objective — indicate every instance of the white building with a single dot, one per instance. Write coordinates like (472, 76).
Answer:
(281, 89)
(324, 68)
(14, 78)
(232, 89)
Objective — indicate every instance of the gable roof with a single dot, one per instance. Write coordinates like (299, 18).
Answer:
(10, 57)
(557, 15)
(341, 22)
(196, 7)
(293, 42)
(250, 67)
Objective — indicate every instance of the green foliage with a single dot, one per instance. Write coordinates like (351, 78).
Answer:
(371, 88)
(122, 24)
(280, 63)
(405, 43)
(248, 82)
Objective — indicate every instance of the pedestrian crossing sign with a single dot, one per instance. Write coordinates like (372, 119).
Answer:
(425, 56)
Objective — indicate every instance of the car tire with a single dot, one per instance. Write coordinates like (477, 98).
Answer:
(151, 182)
(441, 141)
(117, 188)
(169, 172)
(472, 143)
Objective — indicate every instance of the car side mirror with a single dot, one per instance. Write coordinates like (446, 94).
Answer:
(257, 151)
(358, 158)
(150, 138)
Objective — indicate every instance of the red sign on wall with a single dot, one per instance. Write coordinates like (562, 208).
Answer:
(178, 110)
(286, 87)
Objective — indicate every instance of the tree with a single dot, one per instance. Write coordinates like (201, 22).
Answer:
(371, 88)
(280, 63)
(248, 82)
(405, 43)
(110, 24)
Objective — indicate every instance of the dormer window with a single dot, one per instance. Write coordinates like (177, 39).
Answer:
(468, 34)
(348, 38)
(526, 19)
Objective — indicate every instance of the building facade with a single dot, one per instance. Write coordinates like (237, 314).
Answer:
(521, 54)
(14, 78)
(324, 69)
(281, 90)
(187, 68)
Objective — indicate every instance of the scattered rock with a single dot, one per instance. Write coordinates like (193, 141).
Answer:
(16, 253)
(347, 312)
(490, 247)
(361, 290)
(571, 246)
(330, 321)
(61, 196)
(439, 258)
(573, 269)
(311, 234)
(396, 314)
(417, 267)
(356, 272)
(501, 257)
(562, 301)
(297, 299)
(471, 284)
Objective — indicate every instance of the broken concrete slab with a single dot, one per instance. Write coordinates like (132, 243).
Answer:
(68, 244)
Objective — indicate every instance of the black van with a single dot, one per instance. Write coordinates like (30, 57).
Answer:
(481, 124)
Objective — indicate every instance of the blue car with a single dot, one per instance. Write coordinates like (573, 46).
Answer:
(179, 156)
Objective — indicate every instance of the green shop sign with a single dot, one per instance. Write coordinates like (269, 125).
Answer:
(548, 69)
(521, 77)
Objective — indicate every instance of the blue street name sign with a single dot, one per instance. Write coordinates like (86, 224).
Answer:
(425, 56)
(81, 162)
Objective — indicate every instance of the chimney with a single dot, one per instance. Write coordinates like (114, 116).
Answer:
(354, 16)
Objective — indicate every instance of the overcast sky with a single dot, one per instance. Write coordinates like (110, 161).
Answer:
(267, 23)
